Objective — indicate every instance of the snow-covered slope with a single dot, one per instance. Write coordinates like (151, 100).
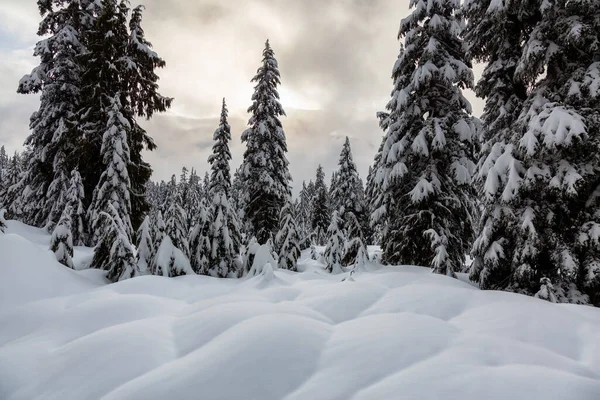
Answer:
(392, 333)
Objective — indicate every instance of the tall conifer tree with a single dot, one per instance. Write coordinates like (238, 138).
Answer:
(427, 156)
(265, 167)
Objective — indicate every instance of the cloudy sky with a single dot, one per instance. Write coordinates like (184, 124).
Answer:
(335, 58)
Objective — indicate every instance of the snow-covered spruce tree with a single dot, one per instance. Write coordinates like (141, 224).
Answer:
(265, 167)
(10, 196)
(192, 206)
(556, 197)
(287, 241)
(2, 220)
(200, 241)
(119, 65)
(145, 247)
(170, 261)
(61, 242)
(114, 252)
(206, 187)
(546, 291)
(176, 223)
(355, 244)
(158, 229)
(58, 77)
(427, 162)
(335, 249)
(494, 35)
(74, 199)
(320, 208)
(333, 182)
(348, 193)
(304, 216)
(114, 185)
(225, 237)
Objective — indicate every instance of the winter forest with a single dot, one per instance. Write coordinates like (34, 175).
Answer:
(516, 189)
(506, 201)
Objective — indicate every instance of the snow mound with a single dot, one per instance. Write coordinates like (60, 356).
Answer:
(30, 273)
(393, 333)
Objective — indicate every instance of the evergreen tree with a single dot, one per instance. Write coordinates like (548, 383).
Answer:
(287, 241)
(3, 158)
(145, 247)
(200, 242)
(58, 77)
(114, 252)
(320, 208)
(265, 167)
(192, 206)
(494, 35)
(546, 291)
(114, 185)
(553, 187)
(334, 252)
(224, 233)
(159, 229)
(304, 216)
(355, 244)
(74, 200)
(13, 187)
(426, 159)
(348, 193)
(176, 224)
(170, 261)
(61, 242)
(206, 186)
(2, 220)
(119, 70)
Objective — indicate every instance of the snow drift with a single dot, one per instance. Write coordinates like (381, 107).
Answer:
(392, 333)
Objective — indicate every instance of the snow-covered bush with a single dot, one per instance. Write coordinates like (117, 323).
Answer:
(170, 261)
(61, 242)
(334, 252)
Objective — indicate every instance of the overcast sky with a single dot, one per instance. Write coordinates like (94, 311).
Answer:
(335, 59)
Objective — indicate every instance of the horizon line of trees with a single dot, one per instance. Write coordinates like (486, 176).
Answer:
(518, 189)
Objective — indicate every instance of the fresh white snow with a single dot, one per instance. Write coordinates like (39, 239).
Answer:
(389, 333)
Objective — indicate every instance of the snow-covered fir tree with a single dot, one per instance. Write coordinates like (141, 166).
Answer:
(114, 185)
(176, 223)
(145, 247)
(13, 185)
(225, 237)
(119, 65)
(200, 241)
(355, 244)
(170, 261)
(74, 199)
(546, 291)
(58, 77)
(61, 241)
(426, 168)
(206, 187)
(550, 178)
(335, 249)
(494, 35)
(320, 208)
(265, 166)
(287, 241)
(158, 229)
(348, 192)
(304, 216)
(194, 198)
(2, 220)
(114, 252)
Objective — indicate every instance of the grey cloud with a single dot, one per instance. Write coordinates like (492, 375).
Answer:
(335, 54)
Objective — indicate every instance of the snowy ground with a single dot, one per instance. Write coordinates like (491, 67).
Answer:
(393, 333)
